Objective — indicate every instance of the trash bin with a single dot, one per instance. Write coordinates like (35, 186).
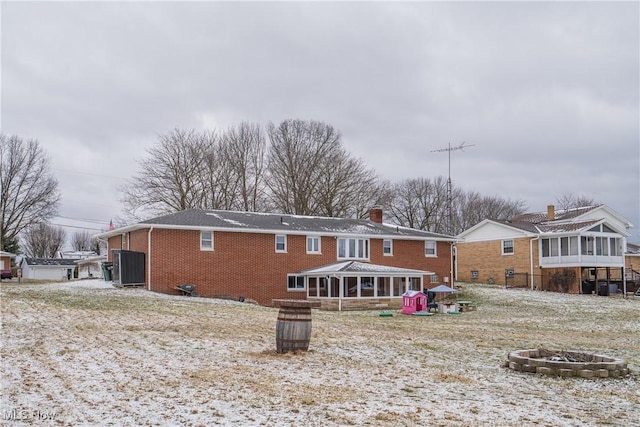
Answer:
(603, 290)
(588, 287)
(613, 288)
(107, 271)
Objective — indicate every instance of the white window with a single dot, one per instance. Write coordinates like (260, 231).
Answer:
(602, 246)
(313, 245)
(353, 248)
(281, 243)
(569, 246)
(507, 247)
(616, 247)
(434, 278)
(387, 247)
(295, 283)
(573, 245)
(430, 248)
(206, 240)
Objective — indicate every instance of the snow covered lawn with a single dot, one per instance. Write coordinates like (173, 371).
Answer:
(85, 353)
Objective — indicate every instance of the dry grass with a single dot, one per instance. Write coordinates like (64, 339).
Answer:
(130, 357)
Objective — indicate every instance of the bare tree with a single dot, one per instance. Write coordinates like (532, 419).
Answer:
(82, 241)
(471, 208)
(345, 187)
(43, 240)
(421, 203)
(244, 148)
(28, 191)
(310, 173)
(378, 193)
(570, 201)
(171, 178)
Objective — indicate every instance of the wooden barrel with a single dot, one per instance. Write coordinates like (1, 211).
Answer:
(293, 328)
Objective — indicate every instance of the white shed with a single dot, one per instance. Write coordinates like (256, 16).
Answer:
(48, 268)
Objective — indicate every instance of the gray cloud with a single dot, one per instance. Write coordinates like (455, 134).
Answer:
(548, 92)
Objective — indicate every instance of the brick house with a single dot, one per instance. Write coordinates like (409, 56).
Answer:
(632, 267)
(5, 264)
(344, 263)
(574, 250)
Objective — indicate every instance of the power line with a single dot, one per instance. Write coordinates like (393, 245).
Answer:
(90, 173)
(95, 221)
(77, 226)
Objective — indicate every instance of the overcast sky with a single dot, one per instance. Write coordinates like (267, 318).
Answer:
(547, 92)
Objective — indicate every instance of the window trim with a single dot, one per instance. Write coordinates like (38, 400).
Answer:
(296, 289)
(512, 247)
(314, 252)
(390, 253)
(284, 236)
(203, 248)
(358, 242)
(435, 248)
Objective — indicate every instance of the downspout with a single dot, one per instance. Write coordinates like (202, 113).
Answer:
(454, 265)
(149, 261)
(531, 260)
(624, 268)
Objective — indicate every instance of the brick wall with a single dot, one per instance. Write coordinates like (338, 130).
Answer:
(246, 264)
(486, 258)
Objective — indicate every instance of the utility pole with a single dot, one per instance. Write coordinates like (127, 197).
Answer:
(449, 149)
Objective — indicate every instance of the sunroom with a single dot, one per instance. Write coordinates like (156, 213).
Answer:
(358, 285)
(588, 260)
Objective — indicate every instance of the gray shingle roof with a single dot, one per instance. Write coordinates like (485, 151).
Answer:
(560, 215)
(253, 221)
(51, 261)
(538, 222)
(362, 267)
(549, 226)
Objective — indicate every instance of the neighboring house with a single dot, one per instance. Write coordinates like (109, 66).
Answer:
(48, 268)
(575, 250)
(272, 256)
(5, 264)
(90, 266)
(632, 266)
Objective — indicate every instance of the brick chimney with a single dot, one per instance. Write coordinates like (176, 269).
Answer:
(551, 212)
(375, 214)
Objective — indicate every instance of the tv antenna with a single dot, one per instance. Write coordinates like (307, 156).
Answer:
(449, 149)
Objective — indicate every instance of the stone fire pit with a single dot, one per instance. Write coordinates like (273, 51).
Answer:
(567, 364)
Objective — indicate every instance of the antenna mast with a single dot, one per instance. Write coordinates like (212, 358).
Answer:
(449, 149)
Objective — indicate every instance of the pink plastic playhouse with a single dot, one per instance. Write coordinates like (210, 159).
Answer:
(413, 301)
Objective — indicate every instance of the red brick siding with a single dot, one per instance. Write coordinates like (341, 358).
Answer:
(246, 264)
